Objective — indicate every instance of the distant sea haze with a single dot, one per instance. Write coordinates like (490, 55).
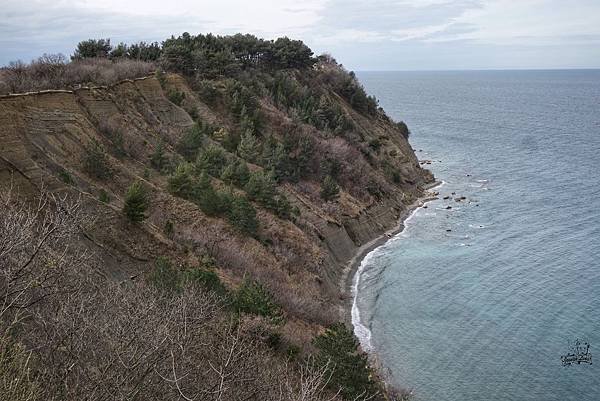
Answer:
(479, 301)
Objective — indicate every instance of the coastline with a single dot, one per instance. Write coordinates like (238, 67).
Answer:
(353, 265)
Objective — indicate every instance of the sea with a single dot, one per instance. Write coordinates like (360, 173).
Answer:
(478, 299)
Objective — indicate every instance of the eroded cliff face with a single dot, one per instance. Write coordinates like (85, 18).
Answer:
(44, 138)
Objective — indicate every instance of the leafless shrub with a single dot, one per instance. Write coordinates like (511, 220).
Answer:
(53, 72)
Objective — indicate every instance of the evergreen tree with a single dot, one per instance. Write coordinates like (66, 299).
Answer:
(242, 215)
(211, 160)
(181, 183)
(136, 202)
(249, 147)
(350, 371)
(158, 159)
(191, 141)
(95, 162)
(206, 197)
(329, 189)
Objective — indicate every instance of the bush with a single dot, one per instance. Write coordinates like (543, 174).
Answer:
(329, 189)
(66, 177)
(95, 161)
(181, 182)
(236, 173)
(136, 202)
(253, 298)
(249, 147)
(191, 141)
(176, 97)
(212, 160)
(242, 216)
(207, 279)
(158, 159)
(350, 371)
(103, 196)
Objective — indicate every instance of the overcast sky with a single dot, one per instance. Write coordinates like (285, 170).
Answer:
(363, 35)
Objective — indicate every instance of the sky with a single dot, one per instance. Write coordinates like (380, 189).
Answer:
(363, 35)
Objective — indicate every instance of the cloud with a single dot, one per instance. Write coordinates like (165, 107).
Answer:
(356, 30)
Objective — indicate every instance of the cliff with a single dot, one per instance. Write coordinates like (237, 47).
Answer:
(46, 138)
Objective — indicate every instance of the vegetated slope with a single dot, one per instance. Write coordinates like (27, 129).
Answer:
(275, 177)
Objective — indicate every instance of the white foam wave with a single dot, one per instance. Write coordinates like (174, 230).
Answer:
(361, 331)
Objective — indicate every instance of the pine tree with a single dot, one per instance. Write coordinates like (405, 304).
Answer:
(242, 215)
(158, 160)
(329, 189)
(180, 183)
(249, 147)
(136, 202)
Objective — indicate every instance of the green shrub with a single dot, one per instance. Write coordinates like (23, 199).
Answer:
(249, 147)
(158, 159)
(205, 196)
(375, 144)
(164, 276)
(191, 141)
(350, 372)
(253, 298)
(136, 202)
(212, 160)
(329, 189)
(95, 161)
(181, 182)
(207, 279)
(176, 97)
(242, 216)
(236, 173)
(103, 196)
(207, 91)
(66, 177)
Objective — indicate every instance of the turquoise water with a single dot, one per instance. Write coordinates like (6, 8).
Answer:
(484, 311)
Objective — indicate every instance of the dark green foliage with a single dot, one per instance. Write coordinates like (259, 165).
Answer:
(212, 160)
(351, 373)
(193, 112)
(207, 91)
(243, 216)
(158, 159)
(329, 189)
(213, 56)
(176, 97)
(355, 94)
(262, 188)
(164, 276)
(103, 196)
(249, 147)
(207, 198)
(403, 128)
(375, 144)
(169, 229)
(253, 298)
(205, 278)
(191, 140)
(136, 202)
(137, 51)
(95, 162)
(236, 173)
(113, 132)
(66, 177)
(244, 106)
(181, 182)
(331, 166)
(92, 48)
